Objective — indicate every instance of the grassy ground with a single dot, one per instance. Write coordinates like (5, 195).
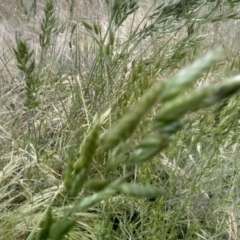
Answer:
(108, 119)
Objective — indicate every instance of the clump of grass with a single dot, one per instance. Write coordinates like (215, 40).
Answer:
(133, 129)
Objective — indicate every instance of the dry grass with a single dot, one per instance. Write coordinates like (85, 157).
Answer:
(199, 169)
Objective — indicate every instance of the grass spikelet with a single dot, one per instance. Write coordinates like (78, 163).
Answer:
(196, 100)
(48, 25)
(77, 167)
(135, 190)
(87, 25)
(97, 185)
(45, 230)
(127, 125)
(82, 165)
(89, 149)
(61, 228)
(26, 65)
(95, 198)
(185, 77)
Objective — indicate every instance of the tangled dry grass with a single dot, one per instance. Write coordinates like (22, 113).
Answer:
(81, 115)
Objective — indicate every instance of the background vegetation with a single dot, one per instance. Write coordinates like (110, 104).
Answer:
(119, 119)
